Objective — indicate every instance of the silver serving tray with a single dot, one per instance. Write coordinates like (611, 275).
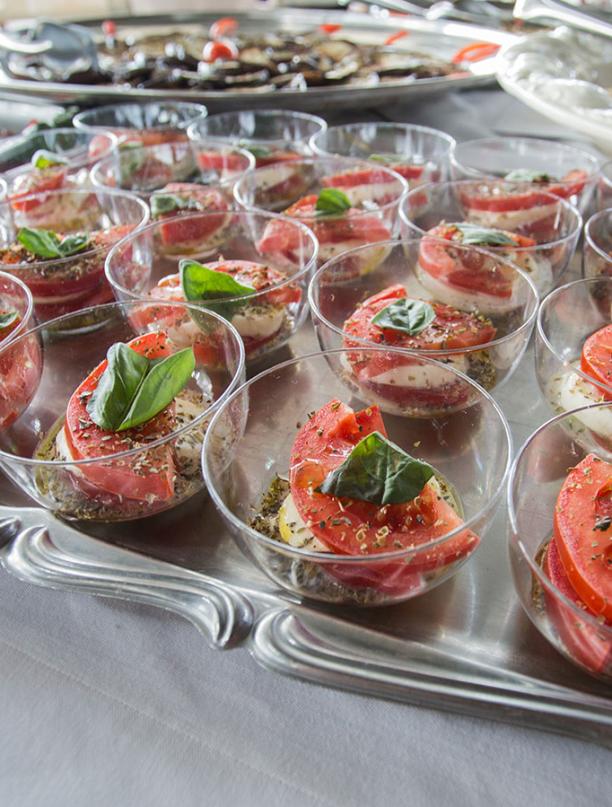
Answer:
(441, 38)
(465, 646)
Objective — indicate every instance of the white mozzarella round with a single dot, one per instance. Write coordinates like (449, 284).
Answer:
(422, 376)
(293, 529)
(259, 321)
(465, 300)
(570, 391)
(510, 219)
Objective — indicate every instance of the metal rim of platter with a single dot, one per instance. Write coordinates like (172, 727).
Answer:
(311, 98)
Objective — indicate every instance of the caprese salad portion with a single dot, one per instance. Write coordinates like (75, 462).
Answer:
(467, 278)
(521, 199)
(338, 224)
(184, 233)
(519, 249)
(415, 173)
(260, 302)
(351, 491)
(64, 272)
(571, 389)
(133, 401)
(47, 172)
(402, 382)
(577, 561)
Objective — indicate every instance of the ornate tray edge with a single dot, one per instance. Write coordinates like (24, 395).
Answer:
(290, 639)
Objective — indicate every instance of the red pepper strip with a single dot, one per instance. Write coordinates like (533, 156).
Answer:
(330, 28)
(474, 52)
(390, 40)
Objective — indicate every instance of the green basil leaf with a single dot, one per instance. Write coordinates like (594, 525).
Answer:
(7, 318)
(332, 202)
(117, 386)
(524, 175)
(410, 316)
(73, 244)
(259, 152)
(378, 471)
(201, 284)
(162, 203)
(42, 243)
(132, 158)
(165, 379)
(47, 159)
(483, 236)
(385, 159)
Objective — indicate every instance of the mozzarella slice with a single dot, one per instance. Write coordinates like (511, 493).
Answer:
(423, 376)
(259, 321)
(510, 219)
(569, 391)
(293, 529)
(466, 300)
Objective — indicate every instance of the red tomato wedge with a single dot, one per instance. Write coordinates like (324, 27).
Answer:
(583, 532)
(177, 229)
(330, 28)
(128, 478)
(596, 359)
(353, 527)
(582, 641)
(468, 270)
(450, 329)
(356, 227)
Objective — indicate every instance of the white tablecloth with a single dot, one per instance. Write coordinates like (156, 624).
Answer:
(105, 703)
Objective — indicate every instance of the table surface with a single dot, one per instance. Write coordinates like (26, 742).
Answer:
(106, 703)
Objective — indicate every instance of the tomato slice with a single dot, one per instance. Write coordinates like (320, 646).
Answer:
(351, 527)
(580, 639)
(220, 161)
(330, 28)
(519, 197)
(177, 229)
(355, 226)
(596, 359)
(128, 478)
(464, 269)
(20, 372)
(451, 328)
(36, 181)
(357, 177)
(583, 532)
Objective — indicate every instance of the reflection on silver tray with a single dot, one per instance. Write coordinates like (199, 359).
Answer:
(441, 38)
(466, 646)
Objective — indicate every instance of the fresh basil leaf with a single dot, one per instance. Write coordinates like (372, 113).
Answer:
(385, 159)
(47, 159)
(117, 386)
(202, 284)
(162, 203)
(132, 158)
(42, 243)
(259, 152)
(483, 236)
(165, 379)
(332, 202)
(524, 175)
(405, 314)
(73, 244)
(7, 318)
(47, 244)
(378, 471)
